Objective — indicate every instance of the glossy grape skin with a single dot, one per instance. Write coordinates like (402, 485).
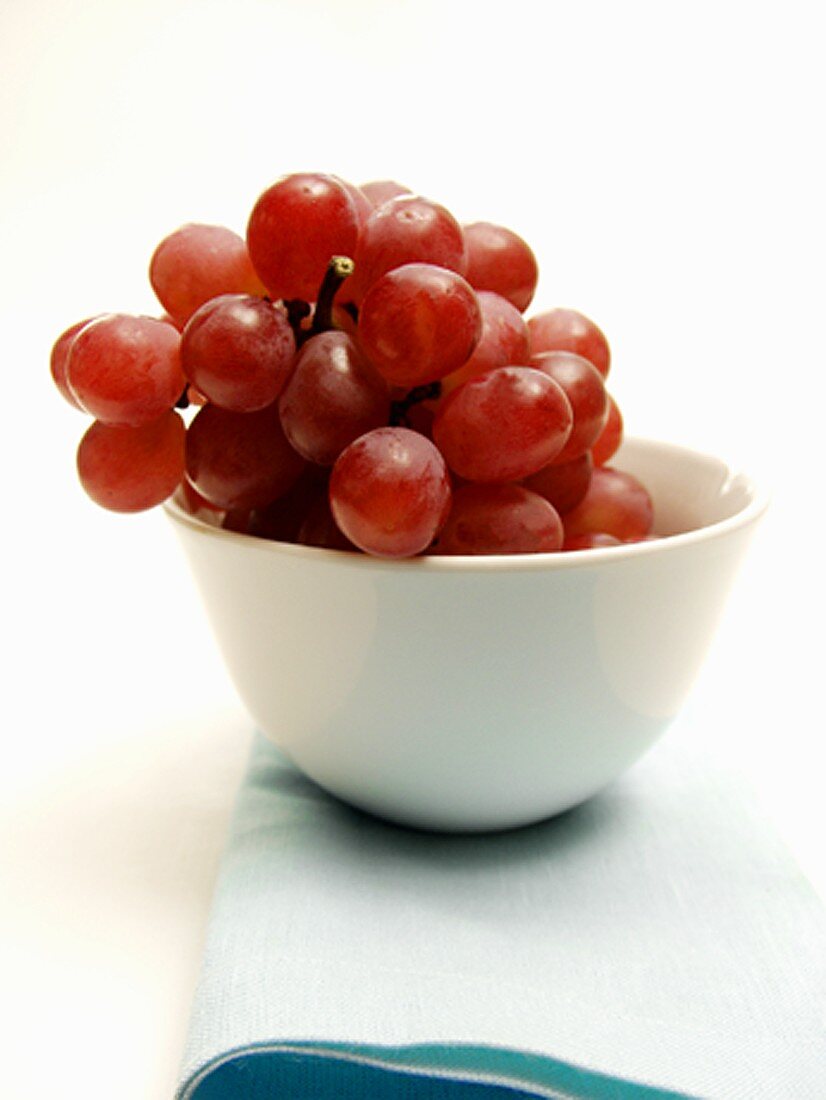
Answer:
(295, 227)
(563, 484)
(240, 460)
(499, 519)
(362, 205)
(608, 442)
(238, 351)
(408, 229)
(60, 357)
(124, 370)
(504, 425)
(499, 260)
(199, 262)
(281, 519)
(616, 504)
(379, 192)
(568, 330)
(319, 528)
(132, 469)
(390, 492)
(332, 398)
(419, 323)
(594, 541)
(503, 340)
(188, 497)
(585, 390)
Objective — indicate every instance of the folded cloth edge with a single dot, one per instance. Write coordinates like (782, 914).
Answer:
(511, 1072)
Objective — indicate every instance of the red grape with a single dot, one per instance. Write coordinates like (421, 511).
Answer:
(238, 351)
(390, 492)
(615, 504)
(240, 460)
(332, 398)
(124, 370)
(418, 323)
(608, 442)
(405, 230)
(199, 262)
(379, 192)
(319, 528)
(363, 205)
(502, 343)
(503, 425)
(590, 542)
(501, 261)
(567, 330)
(281, 519)
(563, 484)
(420, 418)
(585, 390)
(296, 226)
(60, 357)
(191, 501)
(131, 469)
(499, 519)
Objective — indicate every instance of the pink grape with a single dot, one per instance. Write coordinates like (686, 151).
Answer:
(616, 504)
(60, 358)
(132, 469)
(363, 206)
(593, 541)
(295, 227)
(333, 396)
(238, 351)
(408, 229)
(281, 519)
(568, 330)
(503, 341)
(584, 388)
(124, 370)
(390, 492)
(563, 484)
(500, 519)
(379, 192)
(199, 262)
(501, 261)
(240, 460)
(319, 528)
(418, 323)
(608, 442)
(504, 425)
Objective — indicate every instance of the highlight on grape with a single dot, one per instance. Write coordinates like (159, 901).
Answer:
(356, 373)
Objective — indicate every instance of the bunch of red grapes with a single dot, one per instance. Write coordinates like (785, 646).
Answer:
(361, 377)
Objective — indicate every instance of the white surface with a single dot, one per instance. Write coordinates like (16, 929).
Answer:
(528, 683)
(664, 164)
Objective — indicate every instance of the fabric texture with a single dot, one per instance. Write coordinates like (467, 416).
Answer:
(657, 941)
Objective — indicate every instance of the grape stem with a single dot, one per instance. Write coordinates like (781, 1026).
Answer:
(399, 409)
(297, 310)
(339, 269)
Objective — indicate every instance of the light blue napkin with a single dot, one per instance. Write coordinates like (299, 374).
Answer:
(655, 942)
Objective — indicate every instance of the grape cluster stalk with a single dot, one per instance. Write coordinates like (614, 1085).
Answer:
(357, 373)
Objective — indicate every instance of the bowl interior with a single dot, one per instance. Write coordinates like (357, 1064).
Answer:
(695, 495)
(690, 490)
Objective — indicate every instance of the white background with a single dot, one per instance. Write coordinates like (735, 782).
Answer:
(664, 161)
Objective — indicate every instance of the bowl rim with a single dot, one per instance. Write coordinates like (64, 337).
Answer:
(753, 509)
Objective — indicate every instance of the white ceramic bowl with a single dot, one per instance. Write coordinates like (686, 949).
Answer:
(479, 693)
